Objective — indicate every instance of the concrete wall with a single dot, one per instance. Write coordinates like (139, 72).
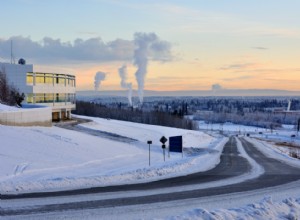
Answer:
(41, 116)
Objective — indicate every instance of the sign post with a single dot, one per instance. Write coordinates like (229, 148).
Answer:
(164, 147)
(163, 140)
(149, 142)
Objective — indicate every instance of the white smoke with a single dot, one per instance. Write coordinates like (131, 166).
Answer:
(124, 83)
(148, 45)
(99, 77)
(216, 86)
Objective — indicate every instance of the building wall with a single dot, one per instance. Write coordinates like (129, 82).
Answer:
(63, 94)
(16, 75)
(47, 91)
(27, 117)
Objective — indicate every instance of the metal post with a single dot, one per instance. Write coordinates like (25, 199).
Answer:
(164, 148)
(163, 140)
(149, 155)
(149, 142)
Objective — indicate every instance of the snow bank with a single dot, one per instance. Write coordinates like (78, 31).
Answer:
(266, 209)
(6, 108)
(273, 152)
(256, 169)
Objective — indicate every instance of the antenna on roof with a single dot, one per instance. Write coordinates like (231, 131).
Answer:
(12, 59)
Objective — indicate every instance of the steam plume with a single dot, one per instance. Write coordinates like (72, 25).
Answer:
(148, 44)
(124, 83)
(216, 86)
(99, 77)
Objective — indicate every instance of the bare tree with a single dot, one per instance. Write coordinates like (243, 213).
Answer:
(4, 88)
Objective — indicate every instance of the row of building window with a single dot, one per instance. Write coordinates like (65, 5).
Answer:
(49, 78)
(50, 97)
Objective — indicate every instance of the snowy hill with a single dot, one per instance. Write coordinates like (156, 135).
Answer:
(40, 158)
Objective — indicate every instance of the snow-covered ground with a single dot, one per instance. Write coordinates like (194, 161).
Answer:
(271, 139)
(266, 209)
(6, 108)
(47, 159)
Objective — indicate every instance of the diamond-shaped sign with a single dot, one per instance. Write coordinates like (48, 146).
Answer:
(163, 140)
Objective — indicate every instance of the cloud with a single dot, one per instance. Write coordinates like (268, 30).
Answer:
(50, 51)
(238, 66)
(260, 48)
(245, 77)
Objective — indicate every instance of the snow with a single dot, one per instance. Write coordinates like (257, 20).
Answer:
(239, 129)
(268, 140)
(48, 159)
(6, 108)
(272, 151)
(266, 209)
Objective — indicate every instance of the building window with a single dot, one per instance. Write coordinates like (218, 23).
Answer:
(71, 98)
(39, 78)
(29, 98)
(49, 97)
(61, 81)
(48, 78)
(60, 97)
(39, 98)
(70, 80)
(29, 79)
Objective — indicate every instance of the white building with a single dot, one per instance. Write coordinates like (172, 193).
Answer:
(55, 90)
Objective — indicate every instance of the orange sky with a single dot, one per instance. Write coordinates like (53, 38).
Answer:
(238, 45)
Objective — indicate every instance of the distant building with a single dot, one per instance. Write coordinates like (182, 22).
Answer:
(55, 90)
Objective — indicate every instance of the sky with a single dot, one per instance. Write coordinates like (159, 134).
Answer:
(174, 45)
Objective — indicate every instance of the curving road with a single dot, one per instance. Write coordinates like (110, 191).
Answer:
(231, 165)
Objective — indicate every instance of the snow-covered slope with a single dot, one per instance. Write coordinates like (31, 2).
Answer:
(6, 108)
(39, 158)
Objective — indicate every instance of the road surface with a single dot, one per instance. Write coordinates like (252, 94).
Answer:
(232, 164)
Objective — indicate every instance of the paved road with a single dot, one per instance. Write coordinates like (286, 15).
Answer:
(232, 164)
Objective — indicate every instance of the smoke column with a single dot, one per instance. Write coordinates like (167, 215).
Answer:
(215, 88)
(99, 77)
(142, 42)
(124, 83)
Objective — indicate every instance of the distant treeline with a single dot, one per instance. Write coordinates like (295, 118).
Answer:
(258, 119)
(134, 115)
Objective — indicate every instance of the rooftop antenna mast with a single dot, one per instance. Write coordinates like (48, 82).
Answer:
(12, 59)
